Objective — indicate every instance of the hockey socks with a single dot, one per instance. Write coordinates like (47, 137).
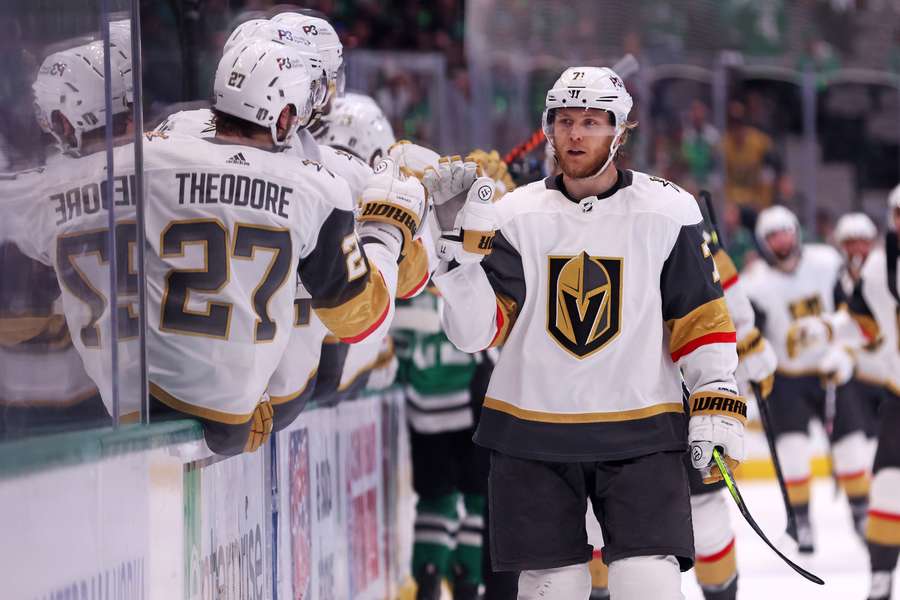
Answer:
(467, 557)
(437, 522)
(717, 574)
(805, 541)
(599, 577)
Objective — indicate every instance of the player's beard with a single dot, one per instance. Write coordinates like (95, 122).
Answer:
(570, 169)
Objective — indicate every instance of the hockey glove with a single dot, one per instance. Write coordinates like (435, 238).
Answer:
(463, 207)
(393, 205)
(756, 362)
(706, 432)
(807, 334)
(837, 365)
(260, 425)
(414, 158)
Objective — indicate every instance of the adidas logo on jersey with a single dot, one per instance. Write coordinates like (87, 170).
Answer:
(238, 159)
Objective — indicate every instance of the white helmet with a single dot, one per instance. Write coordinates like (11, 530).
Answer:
(590, 87)
(120, 53)
(854, 226)
(774, 219)
(323, 36)
(243, 32)
(357, 125)
(71, 83)
(284, 33)
(256, 80)
(894, 198)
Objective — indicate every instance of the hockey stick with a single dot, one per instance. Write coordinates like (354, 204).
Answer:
(624, 68)
(728, 476)
(766, 418)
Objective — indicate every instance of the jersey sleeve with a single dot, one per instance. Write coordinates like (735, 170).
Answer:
(702, 338)
(349, 293)
(482, 300)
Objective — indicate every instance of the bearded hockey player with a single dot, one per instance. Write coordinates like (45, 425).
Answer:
(856, 236)
(875, 308)
(259, 215)
(601, 288)
(797, 282)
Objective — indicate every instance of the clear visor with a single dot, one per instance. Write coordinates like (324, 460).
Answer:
(578, 123)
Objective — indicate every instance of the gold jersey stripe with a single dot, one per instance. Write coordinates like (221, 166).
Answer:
(709, 318)
(197, 411)
(277, 400)
(359, 314)
(725, 266)
(598, 417)
(750, 344)
(868, 325)
(413, 270)
(507, 310)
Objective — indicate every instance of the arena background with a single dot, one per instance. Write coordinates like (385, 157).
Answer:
(818, 83)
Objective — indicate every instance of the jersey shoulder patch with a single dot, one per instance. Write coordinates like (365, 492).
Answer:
(655, 194)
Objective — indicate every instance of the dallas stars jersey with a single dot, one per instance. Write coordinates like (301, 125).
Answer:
(598, 304)
(59, 216)
(781, 298)
(434, 373)
(229, 226)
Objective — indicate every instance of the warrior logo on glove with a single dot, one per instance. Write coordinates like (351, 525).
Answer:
(584, 310)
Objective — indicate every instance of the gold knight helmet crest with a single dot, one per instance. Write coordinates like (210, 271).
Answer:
(584, 302)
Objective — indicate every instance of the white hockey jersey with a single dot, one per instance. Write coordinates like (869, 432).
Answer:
(228, 227)
(59, 216)
(598, 304)
(781, 298)
(879, 314)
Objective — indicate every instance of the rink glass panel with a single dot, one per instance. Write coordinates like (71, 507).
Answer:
(63, 364)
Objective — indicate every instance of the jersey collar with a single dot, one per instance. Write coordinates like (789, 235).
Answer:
(623, 180)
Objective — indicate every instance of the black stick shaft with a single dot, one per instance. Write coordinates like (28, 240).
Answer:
(770, 439)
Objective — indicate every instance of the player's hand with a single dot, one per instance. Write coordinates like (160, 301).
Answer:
(837, 365)
(448, 185)
(706, 432)
(413, 158)
(260, 425)
(392, 208)
(756, 362)
(471, 237)
(807, 334)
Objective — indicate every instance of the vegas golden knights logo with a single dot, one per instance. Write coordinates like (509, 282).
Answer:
(810, 306)
(584, 303)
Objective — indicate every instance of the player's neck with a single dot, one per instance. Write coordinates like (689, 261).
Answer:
(257, 140)
(591, 186)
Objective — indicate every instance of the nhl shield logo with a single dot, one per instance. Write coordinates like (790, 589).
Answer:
(584, 302)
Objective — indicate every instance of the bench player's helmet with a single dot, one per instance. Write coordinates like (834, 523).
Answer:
(772, 220)
(590, 87)
(284, 33)
(325, 39)
(243, 32)
(357, 125)
(854, 226)
(894, 207)
(70, 86)
(257, 80)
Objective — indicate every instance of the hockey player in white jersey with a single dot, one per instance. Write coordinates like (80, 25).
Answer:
(601, 289)
(875, 308)
(231, 219)
(60, 217)
(856, 236)
(797, 282)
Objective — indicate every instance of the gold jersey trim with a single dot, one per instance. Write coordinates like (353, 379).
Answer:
(708, 322)
(595, 417)
(277, 400)
(358, 316)
(197, 411)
